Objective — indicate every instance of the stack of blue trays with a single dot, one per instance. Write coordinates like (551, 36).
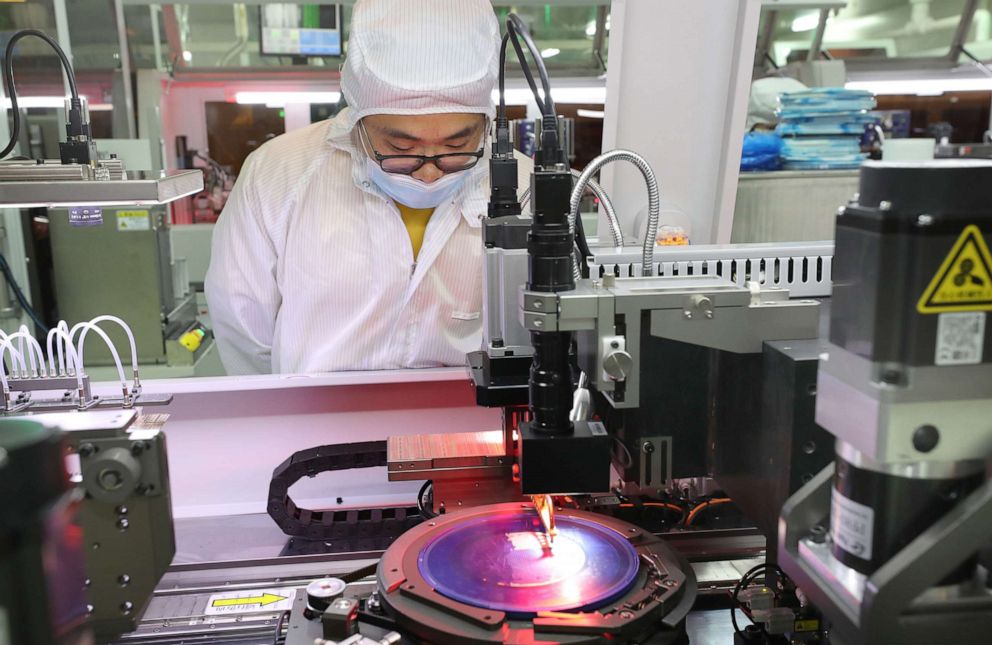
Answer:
(821, 128)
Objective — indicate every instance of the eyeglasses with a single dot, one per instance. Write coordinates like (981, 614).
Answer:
(409, 164)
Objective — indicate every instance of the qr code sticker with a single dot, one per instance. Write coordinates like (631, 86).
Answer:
(960, 338)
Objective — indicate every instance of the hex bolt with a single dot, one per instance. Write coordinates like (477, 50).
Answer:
(817, 534)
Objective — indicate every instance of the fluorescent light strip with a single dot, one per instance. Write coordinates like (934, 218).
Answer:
(281, 99)
(923, 86)
(51, 102)
(522, 96)
(591, 114)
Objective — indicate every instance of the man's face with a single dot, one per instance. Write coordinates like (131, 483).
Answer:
(425, 134)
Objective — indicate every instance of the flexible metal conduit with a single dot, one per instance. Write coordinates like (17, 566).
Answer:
(604, 200)
(654, 199)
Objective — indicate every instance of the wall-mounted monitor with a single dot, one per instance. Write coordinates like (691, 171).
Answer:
(291, 29)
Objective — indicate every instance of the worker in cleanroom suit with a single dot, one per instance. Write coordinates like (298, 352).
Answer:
(342, 247)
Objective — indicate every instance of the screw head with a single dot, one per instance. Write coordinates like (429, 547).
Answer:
(926, 438)
(647, 447)
(626, 615)
(123, 580)
(126, 607)
(86, 450)
(123, 524)
(924, 220)
(884, 205)
(687, 315)
(670, 583)
(538, 304)
(110, 479)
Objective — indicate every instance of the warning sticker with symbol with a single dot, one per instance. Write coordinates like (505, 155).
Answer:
(964, 280)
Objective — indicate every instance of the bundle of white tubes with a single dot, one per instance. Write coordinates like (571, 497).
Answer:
(65, 350)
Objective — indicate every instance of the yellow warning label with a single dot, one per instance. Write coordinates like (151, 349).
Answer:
(808, 625)
(964, 280)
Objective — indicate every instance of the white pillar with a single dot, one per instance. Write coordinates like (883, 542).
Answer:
(676, 92)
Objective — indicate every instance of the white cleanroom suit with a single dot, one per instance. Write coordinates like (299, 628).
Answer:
(312, 268)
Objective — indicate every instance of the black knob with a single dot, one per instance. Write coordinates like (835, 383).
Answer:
(321, 593)
(925, 438)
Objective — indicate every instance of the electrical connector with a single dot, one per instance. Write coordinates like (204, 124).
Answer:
(79, 146)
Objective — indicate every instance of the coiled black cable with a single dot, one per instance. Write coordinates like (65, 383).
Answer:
(8, 75)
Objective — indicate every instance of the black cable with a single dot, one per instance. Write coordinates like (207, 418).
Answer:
(501, 119)
(583, 244)
(279, 625)
(359, 574)
(744, 583)
(520, 29)
(8, 75)
(21, 299)
(422, 500)
(526, 70)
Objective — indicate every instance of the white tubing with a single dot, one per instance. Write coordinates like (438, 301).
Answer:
(59, 340)
(37, 369)
(14, 355)
(75, 363)
(86, 327)
(5, 346)
(130, 340)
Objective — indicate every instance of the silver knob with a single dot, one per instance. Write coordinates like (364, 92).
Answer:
(618, 364)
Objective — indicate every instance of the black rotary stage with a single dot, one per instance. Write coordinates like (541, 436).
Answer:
(485, 575)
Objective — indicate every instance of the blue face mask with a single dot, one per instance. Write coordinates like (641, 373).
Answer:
(412, 192)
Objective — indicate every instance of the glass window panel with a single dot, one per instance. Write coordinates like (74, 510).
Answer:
(870, 29)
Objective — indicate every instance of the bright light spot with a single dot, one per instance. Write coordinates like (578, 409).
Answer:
(806, 22)
(923, 87)
(591, 114)
(591, 26)
(187, 55)
(282, 99)
(551, 51)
